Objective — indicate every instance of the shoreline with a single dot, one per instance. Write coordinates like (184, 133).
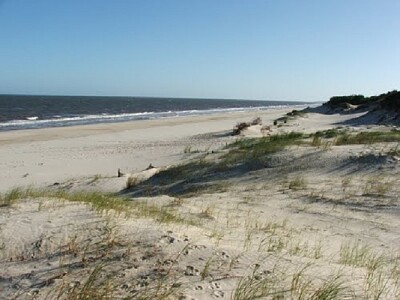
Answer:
(49, 155)
(48, 133)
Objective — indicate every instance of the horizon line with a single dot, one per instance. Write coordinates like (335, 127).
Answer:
(155, 97)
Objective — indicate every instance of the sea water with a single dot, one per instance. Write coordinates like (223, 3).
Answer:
(30, 112)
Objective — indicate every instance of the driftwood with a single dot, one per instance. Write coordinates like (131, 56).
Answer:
(150, 167)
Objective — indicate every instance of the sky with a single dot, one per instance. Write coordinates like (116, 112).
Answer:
(304, 50)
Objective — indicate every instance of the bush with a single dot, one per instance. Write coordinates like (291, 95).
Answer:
(240, 127)
(243, 125)
(256, 121)
(341, 101)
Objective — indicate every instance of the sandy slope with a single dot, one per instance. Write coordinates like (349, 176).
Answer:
(283, 228)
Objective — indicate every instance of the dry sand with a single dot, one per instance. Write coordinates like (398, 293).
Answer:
(284, 230)
(46, 156)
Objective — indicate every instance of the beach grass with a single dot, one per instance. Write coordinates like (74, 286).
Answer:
(102, 203)
(265, 145)
(368, 137)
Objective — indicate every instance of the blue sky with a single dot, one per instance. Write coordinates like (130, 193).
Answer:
(248, 49)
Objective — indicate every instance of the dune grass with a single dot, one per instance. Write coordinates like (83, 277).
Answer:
(254, 287)
(277, 284)
(345, 137)
(359, 255)
(368, 137)
(253, 152)
(98, 201)
(102, 203)
(267, 145)
(247, 154)
(203, 174)
(297, 183)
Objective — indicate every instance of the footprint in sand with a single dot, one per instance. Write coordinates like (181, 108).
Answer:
(224, 255)
(168, 262)
(218, 294)
(193, 247)
(191, 271)
(197, 247)
(167, 239)
(215, 286)
(184, 297)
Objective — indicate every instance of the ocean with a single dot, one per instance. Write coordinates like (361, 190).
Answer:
(31, 112)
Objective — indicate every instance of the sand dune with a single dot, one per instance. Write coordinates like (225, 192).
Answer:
(299, 217)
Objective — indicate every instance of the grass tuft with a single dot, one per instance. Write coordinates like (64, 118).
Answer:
(11, 197)
(359, 255)
(249, 151)
(103, 203)
(368, 138)
(298, 183)
(254, 287)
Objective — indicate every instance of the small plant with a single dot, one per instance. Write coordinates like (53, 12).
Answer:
(318, 250)
(273, 244)
(240, 127)
(206, 270)
(256, 121)
(354, 254)
(247, 241)
(188, 149)
(11, 197)
(377, 187)
(96, 286)
(359, 255)
(330, 133)
(300, 285)
(177, 202)
(207, 212)
(297, 183)
(316, 141)
(216, 236)
(346, 181)
(256, 287)
(160, 214)
(320, 143)
(330, 289)
(375, 284)
(72, 245)
(395, 151)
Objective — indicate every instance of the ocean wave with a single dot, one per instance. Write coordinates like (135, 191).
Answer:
(60, 121)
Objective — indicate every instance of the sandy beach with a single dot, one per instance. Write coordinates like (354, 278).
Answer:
(45, 156)
(307, 217)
